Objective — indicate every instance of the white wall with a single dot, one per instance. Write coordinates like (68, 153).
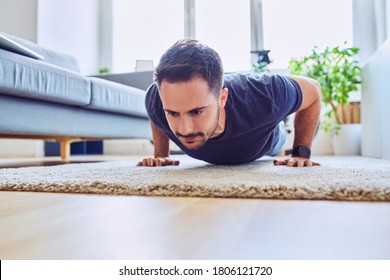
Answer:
(68, 26)
(71, 27)
(19, 17)
(371, 26)
(21, 148)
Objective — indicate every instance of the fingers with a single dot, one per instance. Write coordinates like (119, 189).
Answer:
(159, 162)
(315, 163)
(166, 161)
(175, 162)
(147, 162)
(291, 162)
(296, 162)
(279, 162)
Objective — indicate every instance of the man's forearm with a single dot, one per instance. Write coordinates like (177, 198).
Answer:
(161, 142)
(306, 118)
(305, 124)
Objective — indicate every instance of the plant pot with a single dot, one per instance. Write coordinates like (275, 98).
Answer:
(347, 142)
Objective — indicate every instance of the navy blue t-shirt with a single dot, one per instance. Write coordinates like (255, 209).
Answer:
(255, 106)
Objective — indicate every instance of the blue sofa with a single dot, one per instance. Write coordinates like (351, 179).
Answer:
(49, 99)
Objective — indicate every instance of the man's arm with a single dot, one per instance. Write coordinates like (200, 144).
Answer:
(161, 150)
(160, 141)
(306, 119)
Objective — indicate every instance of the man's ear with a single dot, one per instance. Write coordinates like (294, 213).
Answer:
(223, 96)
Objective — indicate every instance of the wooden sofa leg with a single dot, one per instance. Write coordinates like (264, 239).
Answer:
(65, 149)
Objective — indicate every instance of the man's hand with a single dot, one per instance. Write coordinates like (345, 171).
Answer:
(161, 150)
(296, 162)
(149, 161)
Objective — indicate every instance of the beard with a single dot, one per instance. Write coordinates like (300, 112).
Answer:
(200, 137)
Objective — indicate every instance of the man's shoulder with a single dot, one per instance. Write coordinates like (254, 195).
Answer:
(152, 89)
(152, 94)
(152, 100)
(248, 82)
(249, 77)
(236, 76)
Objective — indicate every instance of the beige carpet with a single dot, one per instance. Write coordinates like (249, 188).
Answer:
(339, 178)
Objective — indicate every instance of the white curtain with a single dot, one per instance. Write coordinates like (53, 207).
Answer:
(380, 21)
(371, 24)
(387, 18)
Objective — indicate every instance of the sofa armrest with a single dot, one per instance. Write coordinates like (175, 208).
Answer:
(12, 46)
(141, 80)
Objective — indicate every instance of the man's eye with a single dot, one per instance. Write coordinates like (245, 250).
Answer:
(196, 112)
(172, 114)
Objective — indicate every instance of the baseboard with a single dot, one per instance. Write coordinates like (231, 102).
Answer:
(21, 148)
(128, 147)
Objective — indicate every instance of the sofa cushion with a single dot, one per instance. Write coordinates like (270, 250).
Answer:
(118, 98)
(36, 79)
(56, 58)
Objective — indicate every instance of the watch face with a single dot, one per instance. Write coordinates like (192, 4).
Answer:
(304, 152)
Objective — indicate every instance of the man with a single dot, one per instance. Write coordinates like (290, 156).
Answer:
(226, 119)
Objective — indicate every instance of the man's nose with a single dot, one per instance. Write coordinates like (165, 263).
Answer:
(186, 126)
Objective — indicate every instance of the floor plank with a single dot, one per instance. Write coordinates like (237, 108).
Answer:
(70, 226)
(50, 161)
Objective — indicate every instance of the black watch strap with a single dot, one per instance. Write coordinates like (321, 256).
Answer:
(301, 151)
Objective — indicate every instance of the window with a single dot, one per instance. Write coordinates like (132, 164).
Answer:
(293, 28)
(143, 30)
(224, 25)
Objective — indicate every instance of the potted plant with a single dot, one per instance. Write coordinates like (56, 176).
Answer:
(339, 74)
(262, 61)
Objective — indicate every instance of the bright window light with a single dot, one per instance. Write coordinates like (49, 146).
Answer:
(293, 28)
(224, 25)
(143, 30)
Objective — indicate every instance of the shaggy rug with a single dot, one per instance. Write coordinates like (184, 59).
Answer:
(338, 178)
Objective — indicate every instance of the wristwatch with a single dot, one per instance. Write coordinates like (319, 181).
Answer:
(301, 151)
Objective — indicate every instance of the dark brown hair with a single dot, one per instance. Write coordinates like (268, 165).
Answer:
(188, 59)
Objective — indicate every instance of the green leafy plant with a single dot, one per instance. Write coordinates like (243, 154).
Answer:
(104, 70)
(260, 67)
(338, 72)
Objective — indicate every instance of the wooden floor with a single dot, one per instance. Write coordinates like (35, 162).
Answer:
(68, 226)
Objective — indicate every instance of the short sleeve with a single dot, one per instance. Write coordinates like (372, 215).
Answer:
(154, 108)
(288, 96)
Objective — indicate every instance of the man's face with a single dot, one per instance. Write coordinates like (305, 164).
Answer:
(192, 111)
